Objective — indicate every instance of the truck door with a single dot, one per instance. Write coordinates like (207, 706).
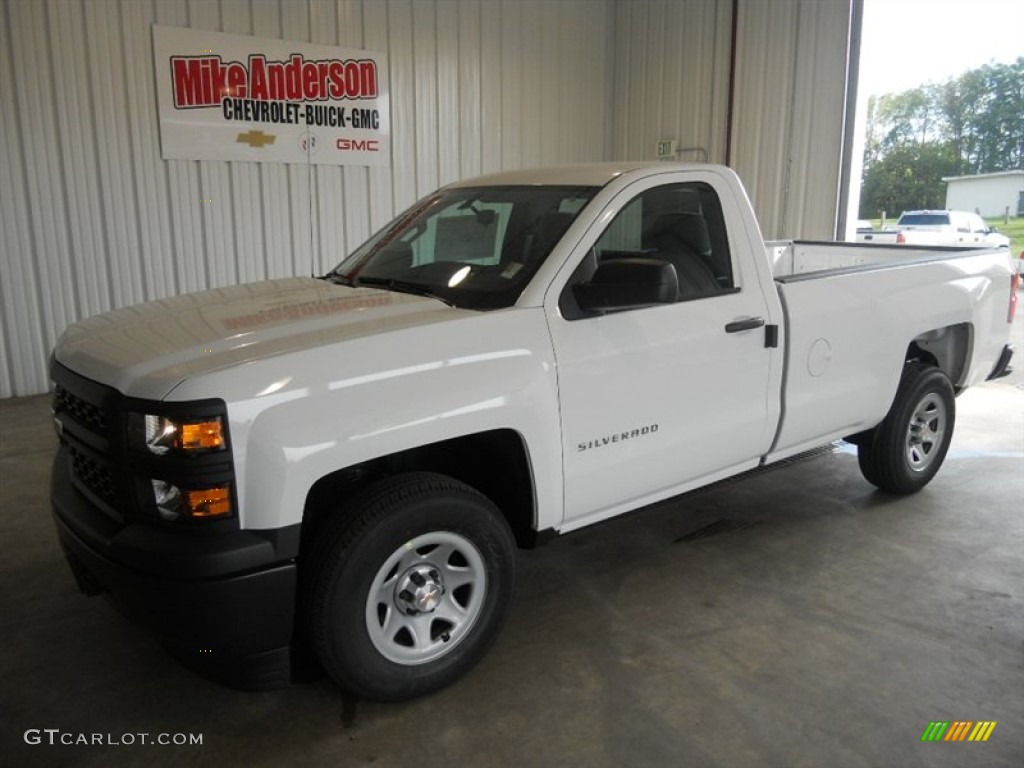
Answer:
(661, 398)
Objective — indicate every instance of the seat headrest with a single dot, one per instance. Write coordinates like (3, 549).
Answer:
(688, 228)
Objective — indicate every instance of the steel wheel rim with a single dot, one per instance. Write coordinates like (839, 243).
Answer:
(925, 432)
(412, 623)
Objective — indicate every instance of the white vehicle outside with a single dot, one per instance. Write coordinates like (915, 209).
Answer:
(949, 228)
(341, 468)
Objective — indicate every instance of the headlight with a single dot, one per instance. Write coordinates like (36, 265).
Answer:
(164, 434)
(179, 454)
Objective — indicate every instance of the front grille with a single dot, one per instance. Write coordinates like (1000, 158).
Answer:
(89, 415)
(90, 418)
(94, 476)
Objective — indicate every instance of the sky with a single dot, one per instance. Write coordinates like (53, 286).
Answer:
(906, 43)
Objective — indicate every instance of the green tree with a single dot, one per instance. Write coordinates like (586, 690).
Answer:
(970, 124)
(907, 178)
(1002, 142)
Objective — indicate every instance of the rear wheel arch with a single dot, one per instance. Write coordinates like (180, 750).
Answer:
(947, 349)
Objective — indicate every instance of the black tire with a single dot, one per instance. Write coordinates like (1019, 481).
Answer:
(903, 453)
(415, 529)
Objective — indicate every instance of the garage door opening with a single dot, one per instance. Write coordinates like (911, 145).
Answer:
(939, 98)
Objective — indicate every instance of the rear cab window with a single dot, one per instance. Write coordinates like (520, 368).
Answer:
(924, 220)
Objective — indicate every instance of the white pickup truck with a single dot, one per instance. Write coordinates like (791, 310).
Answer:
(340, 469)
(952, 228)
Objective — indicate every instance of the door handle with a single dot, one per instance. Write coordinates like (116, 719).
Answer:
(744, 325)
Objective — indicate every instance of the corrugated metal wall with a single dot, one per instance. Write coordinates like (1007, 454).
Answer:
(94, 219)
(672, 62)
(671, 78)
(789, 112)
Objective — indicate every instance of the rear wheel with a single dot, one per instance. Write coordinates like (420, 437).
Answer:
(407, 591)
(903, 453)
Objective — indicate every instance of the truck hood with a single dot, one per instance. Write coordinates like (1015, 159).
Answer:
(148, 349)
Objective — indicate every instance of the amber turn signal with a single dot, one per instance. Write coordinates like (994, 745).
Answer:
(202, 435)
(209, 502)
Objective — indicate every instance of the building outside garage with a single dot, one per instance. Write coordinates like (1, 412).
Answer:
(988, 194)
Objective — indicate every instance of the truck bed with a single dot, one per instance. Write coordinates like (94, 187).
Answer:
(799, 259)
(851, 310)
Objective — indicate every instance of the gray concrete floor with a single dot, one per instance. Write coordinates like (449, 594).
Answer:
(794, 618)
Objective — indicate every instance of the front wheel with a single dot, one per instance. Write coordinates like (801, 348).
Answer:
(409, 589)
(903, 453)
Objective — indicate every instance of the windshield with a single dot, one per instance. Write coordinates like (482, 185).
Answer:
(473, 247)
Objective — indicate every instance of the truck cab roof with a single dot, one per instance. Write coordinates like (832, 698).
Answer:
(580, 174)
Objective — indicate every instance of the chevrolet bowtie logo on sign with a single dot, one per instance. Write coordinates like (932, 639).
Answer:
(958, 730)
(256, 139)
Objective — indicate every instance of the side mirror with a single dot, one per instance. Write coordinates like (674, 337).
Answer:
(628, 283)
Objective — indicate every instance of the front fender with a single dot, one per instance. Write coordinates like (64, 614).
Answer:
(310, 413)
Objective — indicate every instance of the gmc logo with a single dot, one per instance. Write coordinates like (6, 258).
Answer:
(358, 145)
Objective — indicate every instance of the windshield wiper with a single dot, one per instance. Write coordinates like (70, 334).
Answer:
(399, 286)
(339, 279)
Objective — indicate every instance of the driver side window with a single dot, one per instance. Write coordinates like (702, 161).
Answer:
(677, 224)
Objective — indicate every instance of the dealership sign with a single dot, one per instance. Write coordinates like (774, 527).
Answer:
(234, 97)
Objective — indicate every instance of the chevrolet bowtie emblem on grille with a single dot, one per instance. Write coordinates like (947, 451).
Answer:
(256, 139)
